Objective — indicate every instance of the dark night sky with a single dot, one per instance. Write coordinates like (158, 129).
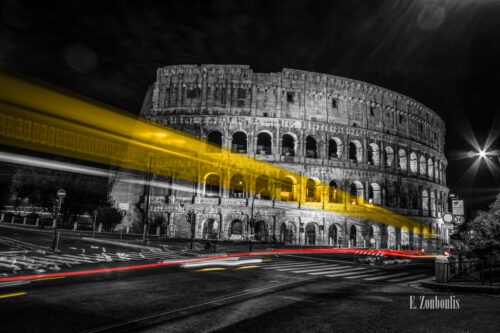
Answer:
(444, 54)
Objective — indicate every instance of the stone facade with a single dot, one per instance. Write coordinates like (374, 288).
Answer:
(378, 145)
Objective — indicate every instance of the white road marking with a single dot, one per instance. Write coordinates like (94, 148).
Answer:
(343, 274)
(343, 269)
(403, 279)
(287, 266)
(385, 276)
(318, 268)
(303, 267)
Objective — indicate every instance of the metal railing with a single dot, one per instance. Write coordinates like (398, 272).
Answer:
(473, 271)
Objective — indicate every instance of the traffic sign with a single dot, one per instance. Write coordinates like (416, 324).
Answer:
(447, 217)
(457, 207)
(61, 193)
(459, 219)
(372, 240)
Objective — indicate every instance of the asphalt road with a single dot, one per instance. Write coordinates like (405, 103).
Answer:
(279, 295)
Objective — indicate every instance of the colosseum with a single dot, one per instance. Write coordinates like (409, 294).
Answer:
(379, 146)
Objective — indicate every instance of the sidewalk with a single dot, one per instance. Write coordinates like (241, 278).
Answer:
(469, 287)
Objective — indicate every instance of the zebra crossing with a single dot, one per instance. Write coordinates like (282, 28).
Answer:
(54, 261)
(345, 271)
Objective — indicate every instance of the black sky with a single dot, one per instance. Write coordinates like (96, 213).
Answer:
(444, 54)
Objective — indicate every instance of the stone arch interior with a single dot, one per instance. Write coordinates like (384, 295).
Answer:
(208, 229)
(237, 187)
(239, 143)
(374, 194)
(311, 234)
(333, 235)
(353, 236)
(288, 189)
(373, 154)
(388, 156)
(356, 193)
(288, 145)
(413, 162)
(264, 143)
(312, 191)
(212, 185)
(333, 149)
(402, 160)
(215, 140)
(236, 230)
(262, 188)
(287, 231)
(334, 194)
(311, 147)
(355, 151)
(260, 231)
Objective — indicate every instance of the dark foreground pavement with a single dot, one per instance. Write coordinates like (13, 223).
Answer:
(175, 299)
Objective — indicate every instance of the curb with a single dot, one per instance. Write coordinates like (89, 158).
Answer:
(456, 287)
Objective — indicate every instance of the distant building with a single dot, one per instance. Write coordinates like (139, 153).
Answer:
(371, 142)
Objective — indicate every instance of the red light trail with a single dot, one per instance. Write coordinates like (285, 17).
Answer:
(397, 253)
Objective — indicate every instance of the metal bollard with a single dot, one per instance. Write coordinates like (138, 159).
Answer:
(441, 269)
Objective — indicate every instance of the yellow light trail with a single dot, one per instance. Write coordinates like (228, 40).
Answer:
(42, 118)
(50, 278)
(211, 269)
(12, 295)
(245, 267)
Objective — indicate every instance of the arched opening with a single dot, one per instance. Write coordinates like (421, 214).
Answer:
(430, 168)
(353, 236)
(356, 193)
(208, 229)
(373, 154)
(333, 235)
(236, 229)
(311, 234)
(264, 143)
(355, 152)
(287, 232)
(240, 142)
(414, 197)
(404, 197)
(375, 194)
(422, 165)
(391, 237)
(416, 244)
(260, 231)
(388, 156)
(403, 160)
(214, 139)
(436, 171)
(425, 203)
(413, 162)
(334, 194)
(374, 236)
(262, 188)
(287, 189)
(212, 185)
(433, 203)
(312, 191)
(237, 187)
(334, 148)
(311, 147)
(405, 238)
(288, 145)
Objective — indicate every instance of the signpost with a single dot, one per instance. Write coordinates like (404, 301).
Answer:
(61, 194)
